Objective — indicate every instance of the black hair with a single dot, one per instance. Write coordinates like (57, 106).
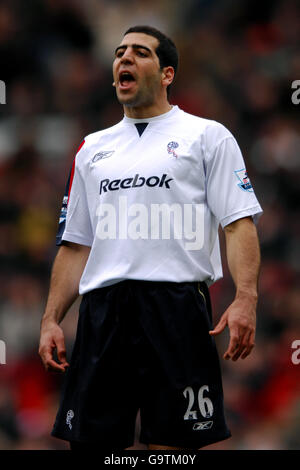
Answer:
(166, 50)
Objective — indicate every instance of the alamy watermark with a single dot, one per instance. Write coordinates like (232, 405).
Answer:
(154, 221)
(2, 352)
(296, 93)
(296, 354)
(2, 92)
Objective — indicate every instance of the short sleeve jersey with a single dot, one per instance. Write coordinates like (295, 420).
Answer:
(148, 195)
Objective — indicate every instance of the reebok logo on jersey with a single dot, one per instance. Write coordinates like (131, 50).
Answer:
(101, 155)
(136, 182)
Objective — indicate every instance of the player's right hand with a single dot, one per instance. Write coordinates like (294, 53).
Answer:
(52, 338)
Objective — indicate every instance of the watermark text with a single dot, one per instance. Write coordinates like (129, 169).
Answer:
(154, 221)
(296, 353)
(2, 352)
(296, 93)
(2, 92)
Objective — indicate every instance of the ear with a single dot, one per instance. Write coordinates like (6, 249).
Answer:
(168, 74)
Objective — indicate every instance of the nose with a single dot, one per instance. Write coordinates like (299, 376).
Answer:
(127, 57)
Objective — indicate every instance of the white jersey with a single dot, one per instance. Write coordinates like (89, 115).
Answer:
(148, 195)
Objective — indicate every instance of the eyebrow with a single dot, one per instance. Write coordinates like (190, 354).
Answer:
(134, 46)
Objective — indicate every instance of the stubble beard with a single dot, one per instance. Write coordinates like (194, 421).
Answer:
(145, 96)
(138, 100)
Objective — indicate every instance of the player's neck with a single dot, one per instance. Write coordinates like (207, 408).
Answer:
(144, 112)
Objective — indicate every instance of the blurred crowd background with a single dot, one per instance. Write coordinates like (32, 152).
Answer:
(238, 60)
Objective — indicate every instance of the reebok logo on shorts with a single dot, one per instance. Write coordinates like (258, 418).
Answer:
(136, 182)
(202, 425)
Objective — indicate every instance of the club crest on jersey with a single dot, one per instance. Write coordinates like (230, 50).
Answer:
(171, 148)
(244, 182)
(70, 416)
(101, 155)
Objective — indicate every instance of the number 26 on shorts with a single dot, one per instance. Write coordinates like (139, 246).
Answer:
(205, 405)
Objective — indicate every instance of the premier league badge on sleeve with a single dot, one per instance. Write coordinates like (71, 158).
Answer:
(244, 182)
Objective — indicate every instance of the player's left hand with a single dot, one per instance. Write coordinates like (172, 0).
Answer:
(240, 317)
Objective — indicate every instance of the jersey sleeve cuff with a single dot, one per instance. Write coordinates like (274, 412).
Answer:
(70, 237)
(255, 212)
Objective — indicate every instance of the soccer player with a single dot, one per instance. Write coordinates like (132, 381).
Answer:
(138, 239)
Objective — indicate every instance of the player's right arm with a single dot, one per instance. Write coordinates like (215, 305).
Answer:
(64, 286)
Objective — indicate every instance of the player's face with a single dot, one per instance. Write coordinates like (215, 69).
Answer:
(136, 71)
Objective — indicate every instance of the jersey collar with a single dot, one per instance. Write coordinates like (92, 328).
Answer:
(160, 117)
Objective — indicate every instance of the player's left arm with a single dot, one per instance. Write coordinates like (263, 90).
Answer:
(243, 257)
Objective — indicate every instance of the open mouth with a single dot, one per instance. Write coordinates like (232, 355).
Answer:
(126, 79)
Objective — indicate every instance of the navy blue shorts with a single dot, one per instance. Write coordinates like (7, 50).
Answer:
(143, 345)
